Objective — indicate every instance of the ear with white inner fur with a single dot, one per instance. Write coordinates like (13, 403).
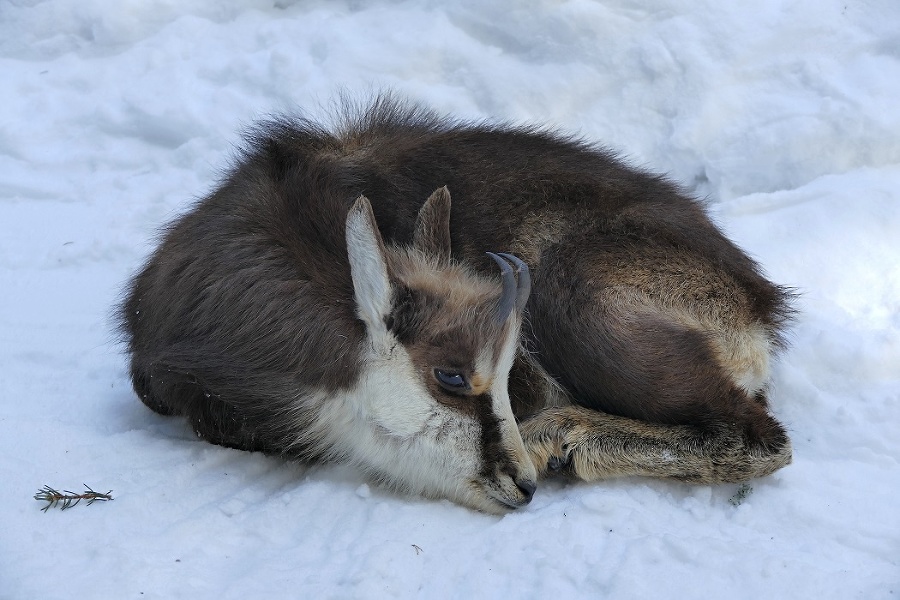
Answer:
(432, 233)
(368, 266)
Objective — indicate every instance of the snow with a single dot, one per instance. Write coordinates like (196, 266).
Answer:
(116, 114)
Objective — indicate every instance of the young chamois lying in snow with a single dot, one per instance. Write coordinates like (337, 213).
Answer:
(313, 307)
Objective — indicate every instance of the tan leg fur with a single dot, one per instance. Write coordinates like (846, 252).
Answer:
(591, 445)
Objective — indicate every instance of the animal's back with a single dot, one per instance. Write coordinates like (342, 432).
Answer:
(608, 245)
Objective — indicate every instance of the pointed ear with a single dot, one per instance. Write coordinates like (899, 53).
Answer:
(368, 266)
(432, 233)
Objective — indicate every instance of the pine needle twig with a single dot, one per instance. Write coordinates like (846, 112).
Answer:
(67, 499)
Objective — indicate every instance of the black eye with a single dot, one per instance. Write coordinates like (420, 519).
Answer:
(451, 381)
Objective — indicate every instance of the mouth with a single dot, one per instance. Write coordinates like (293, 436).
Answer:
(494, 505)
(509, 504)
(501, 492)
(510, 501)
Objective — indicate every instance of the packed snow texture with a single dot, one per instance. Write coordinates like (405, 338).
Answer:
(117, 114)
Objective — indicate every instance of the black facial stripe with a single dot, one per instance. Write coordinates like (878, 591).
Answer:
(492, 453)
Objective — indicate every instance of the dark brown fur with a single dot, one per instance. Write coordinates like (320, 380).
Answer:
(636, 297)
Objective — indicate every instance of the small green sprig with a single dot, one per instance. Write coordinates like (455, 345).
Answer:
(67, 499)
(740, 495)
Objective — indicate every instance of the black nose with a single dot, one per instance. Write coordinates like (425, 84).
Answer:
(527, 488)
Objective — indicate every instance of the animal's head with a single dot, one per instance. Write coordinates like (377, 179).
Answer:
(440, 343)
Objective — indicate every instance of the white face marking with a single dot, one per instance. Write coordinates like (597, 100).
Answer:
(391, 427)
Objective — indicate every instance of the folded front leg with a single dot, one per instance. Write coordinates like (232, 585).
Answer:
(592, 445)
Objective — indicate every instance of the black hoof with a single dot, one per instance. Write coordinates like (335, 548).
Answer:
(557, 464)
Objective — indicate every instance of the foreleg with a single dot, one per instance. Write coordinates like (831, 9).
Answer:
(591, 445)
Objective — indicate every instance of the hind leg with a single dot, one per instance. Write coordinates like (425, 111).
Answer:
(667, 361)
(591, 445)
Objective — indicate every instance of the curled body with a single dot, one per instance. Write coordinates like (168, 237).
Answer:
(329, 301)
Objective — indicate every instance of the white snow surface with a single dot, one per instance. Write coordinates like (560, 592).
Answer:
(116, 114)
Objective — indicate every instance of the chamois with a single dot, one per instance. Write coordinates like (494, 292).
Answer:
(313, 307)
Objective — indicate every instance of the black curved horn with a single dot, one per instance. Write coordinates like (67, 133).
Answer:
(508, 296)
(524, 288)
